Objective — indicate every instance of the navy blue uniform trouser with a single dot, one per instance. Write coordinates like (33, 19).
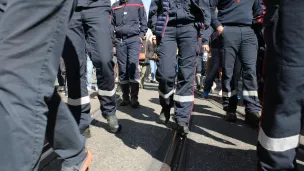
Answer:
(238, 76)
(29, 106)
(283, 105)
(185, 39)
(92, 25)
(127, 51)
(239, 42)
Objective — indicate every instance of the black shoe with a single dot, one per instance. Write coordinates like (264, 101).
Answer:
(124, 103)
(113, 124)
(225, 108)
(182, 128)
(164, 117)
(252, 119)
(230, 117)
(198, 87)
(135, 104)
(86, 133)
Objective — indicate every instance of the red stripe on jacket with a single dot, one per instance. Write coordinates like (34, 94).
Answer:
(128, 5)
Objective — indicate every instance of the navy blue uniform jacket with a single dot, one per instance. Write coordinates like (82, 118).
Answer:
(159, 14)
(129, 18)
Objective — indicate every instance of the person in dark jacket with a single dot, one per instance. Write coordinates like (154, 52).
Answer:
(233, 22)
(282, 115)
(178, 24)
(91, 24)
(130, 25)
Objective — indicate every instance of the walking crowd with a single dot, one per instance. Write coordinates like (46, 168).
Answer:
(253, 50)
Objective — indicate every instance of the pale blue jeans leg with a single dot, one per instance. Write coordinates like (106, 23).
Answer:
(153, 68)
(89, 72)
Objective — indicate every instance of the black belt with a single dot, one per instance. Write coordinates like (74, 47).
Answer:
(180, 23)
(237, 25)
(125, 37)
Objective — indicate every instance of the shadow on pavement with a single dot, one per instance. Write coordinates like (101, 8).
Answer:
(139, 135)
(202, 157)
(144, 113)
(224, 146)
(214, 121)
(219, 99)
(154, 100)
(225, 154)
(141, 113)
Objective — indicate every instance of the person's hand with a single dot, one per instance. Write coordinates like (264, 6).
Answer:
(220, 30)
(206, 48)
(140, 40)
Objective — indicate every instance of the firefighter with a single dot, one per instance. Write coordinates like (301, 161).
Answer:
(282, 115)
(130, 25)
(91, 24)
(30, 107)
(234, 26)
(178, 24)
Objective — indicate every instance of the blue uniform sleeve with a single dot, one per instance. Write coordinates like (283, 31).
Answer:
(112, 27)
(257, 10)
(215, 23)
(153, 15)
(206, 36)
(113, 16)
(204, 31)
(207, 15)
(143, 21)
